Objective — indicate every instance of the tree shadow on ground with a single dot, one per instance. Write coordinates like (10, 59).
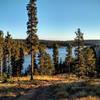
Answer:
(11, 92)
(61, 91)
(69, 91)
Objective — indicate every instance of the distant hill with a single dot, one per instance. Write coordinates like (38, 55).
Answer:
(49, 43)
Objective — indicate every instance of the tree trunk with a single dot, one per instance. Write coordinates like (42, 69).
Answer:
(32, 62)
(1, 67)
(1, 62)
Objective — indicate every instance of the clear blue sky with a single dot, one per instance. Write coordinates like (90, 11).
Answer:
(58, 19)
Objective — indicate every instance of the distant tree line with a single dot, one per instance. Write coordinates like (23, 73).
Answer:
(50, 43)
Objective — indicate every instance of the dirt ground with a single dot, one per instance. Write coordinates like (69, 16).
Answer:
(51, 88)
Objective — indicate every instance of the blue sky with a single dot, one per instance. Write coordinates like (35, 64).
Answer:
(58, 19)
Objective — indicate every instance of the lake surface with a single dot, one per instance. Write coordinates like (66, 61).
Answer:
(62, 55)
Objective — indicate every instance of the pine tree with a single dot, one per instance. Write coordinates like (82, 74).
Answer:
(90, 61)
(80, 63)
(32, 39)
(13, 60)
(45, 62)
(8, 46)
(48, 68)
(21, 60)
(1, 51)
(56, 58)
(4, 60)
(68, 59)
(41, 58)
(17, 58)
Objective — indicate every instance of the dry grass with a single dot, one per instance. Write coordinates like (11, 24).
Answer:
(63, 77)
(38, 77)
(20, 85)
(60, 86)
(89, 98)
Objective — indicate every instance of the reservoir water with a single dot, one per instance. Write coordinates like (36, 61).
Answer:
(62, 55)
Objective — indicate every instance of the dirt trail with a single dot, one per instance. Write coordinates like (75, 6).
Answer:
(39, 93)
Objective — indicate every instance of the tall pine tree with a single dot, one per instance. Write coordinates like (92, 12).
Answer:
(32, 39)
(80, 62)
(8, 46)
(1, 51)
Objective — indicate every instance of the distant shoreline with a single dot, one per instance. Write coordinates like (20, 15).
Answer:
(49, 43)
